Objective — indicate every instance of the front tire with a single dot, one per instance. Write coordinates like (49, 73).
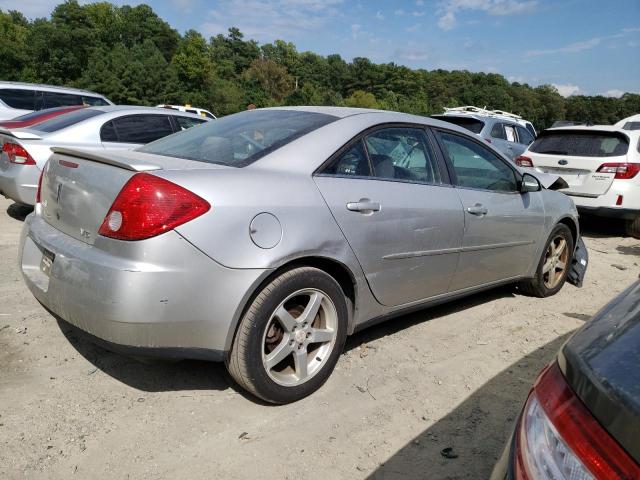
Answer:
(289, 340)
(553, 266)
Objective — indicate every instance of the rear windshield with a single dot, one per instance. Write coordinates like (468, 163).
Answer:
(581, 144)
(472, 124)
(631, 126)
(66, 120)
(239, 139)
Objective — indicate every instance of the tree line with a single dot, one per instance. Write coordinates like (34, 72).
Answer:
(133, 56)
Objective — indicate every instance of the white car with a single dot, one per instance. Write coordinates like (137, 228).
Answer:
(629, 123)
(189, 109)
(601, 165)
(18, 98)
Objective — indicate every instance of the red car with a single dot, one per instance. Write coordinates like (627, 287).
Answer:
(38, 116)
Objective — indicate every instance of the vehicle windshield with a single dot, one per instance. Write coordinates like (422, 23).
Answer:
(581, 144)
(66, 120)
(472, 124)
(240, 139)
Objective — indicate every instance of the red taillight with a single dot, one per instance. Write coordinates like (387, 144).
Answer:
(623, 171)
(523, 161)
(17, 154)
(558, 434)
(39, 186)
(148, 206)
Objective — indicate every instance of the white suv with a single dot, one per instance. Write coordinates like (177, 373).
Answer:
(17, 98)
(601, 165)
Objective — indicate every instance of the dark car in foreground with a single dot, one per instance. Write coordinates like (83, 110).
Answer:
(582, 417)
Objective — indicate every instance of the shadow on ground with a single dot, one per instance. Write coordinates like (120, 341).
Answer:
(486, 418)
(601, 227)
(201, 375)
(19, 212)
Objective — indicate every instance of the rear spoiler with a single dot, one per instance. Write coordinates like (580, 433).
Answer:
(20, 134)
(111, 159)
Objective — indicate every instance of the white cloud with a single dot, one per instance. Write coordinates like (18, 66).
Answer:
(267, 20)
(379, 15)
(449, 8)
(418, 14)
(413, 28)
(399, 12)
(614, 93)
(583, 45)
(412, 55)
(567, 89)
(419, 3)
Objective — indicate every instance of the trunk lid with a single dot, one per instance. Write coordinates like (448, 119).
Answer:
(79, 187)
(576, 155)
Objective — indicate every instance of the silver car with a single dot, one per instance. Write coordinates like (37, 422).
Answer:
(264, 238)
(25, 151)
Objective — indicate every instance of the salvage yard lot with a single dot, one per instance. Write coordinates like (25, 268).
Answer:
(452, 376)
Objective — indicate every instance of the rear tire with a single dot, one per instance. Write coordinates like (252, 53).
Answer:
(553, 266)
(632, 227)
(289, 340)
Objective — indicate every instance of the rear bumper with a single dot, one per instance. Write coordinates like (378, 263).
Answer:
(610, 212)
(175, 301)
(19, 182)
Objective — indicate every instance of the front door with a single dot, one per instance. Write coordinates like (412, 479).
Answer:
(404, 223)
(502, 225)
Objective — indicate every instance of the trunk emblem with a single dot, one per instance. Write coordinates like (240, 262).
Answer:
(562, 162)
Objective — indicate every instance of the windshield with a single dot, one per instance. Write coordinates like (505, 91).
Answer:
(581, 143)
(66, 120)
(239, 139)
(472, 124)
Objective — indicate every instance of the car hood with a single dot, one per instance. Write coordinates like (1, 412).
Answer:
(601, 363)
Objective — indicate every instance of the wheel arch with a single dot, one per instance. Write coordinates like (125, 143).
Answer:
(572, 225)
(340, 272)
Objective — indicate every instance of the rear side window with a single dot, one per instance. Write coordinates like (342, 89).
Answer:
(353, 162)
(472, 124)
(19, 98)
(67, 119)
(187, 122)
(57, 99)
(510, 133)
(581, 144)
(108, 133)
(524, 137)
(240, 139)
(142, 128)
(498, 132)
(631, 126)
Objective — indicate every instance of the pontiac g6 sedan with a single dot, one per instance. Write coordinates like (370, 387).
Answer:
(266, 237)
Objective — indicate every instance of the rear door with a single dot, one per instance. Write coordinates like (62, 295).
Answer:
(502, 225)
(391, 197)
(577, 155)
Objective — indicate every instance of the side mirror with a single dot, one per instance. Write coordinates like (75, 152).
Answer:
(529, 184)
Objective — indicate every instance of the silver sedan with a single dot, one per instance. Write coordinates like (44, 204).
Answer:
(265, 238)
(24, 151)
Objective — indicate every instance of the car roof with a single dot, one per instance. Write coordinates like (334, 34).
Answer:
(42, 86)
(141, 109)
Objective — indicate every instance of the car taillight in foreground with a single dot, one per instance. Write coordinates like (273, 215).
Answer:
(623, 171)
(523, 161)
(148, 206)
(17, 154)
(558, 438)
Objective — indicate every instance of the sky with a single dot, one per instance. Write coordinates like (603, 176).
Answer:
(580, 46)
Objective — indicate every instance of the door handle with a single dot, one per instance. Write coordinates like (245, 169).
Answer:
(364, 206)
(477, 209)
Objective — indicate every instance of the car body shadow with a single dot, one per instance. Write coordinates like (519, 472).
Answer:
(601, 227)
(476, 430)
(18, 211)
(153, 375)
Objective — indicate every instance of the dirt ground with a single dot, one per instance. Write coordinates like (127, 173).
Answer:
(452, 376)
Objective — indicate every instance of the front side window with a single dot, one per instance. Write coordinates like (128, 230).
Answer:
(93, 101)
(57, 99)
(477, 167)
(403, 154)
(187, 122)
(19, 98)
(142, 128)
(240, 139)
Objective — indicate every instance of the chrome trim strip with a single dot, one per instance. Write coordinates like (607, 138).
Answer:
(444, 251)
